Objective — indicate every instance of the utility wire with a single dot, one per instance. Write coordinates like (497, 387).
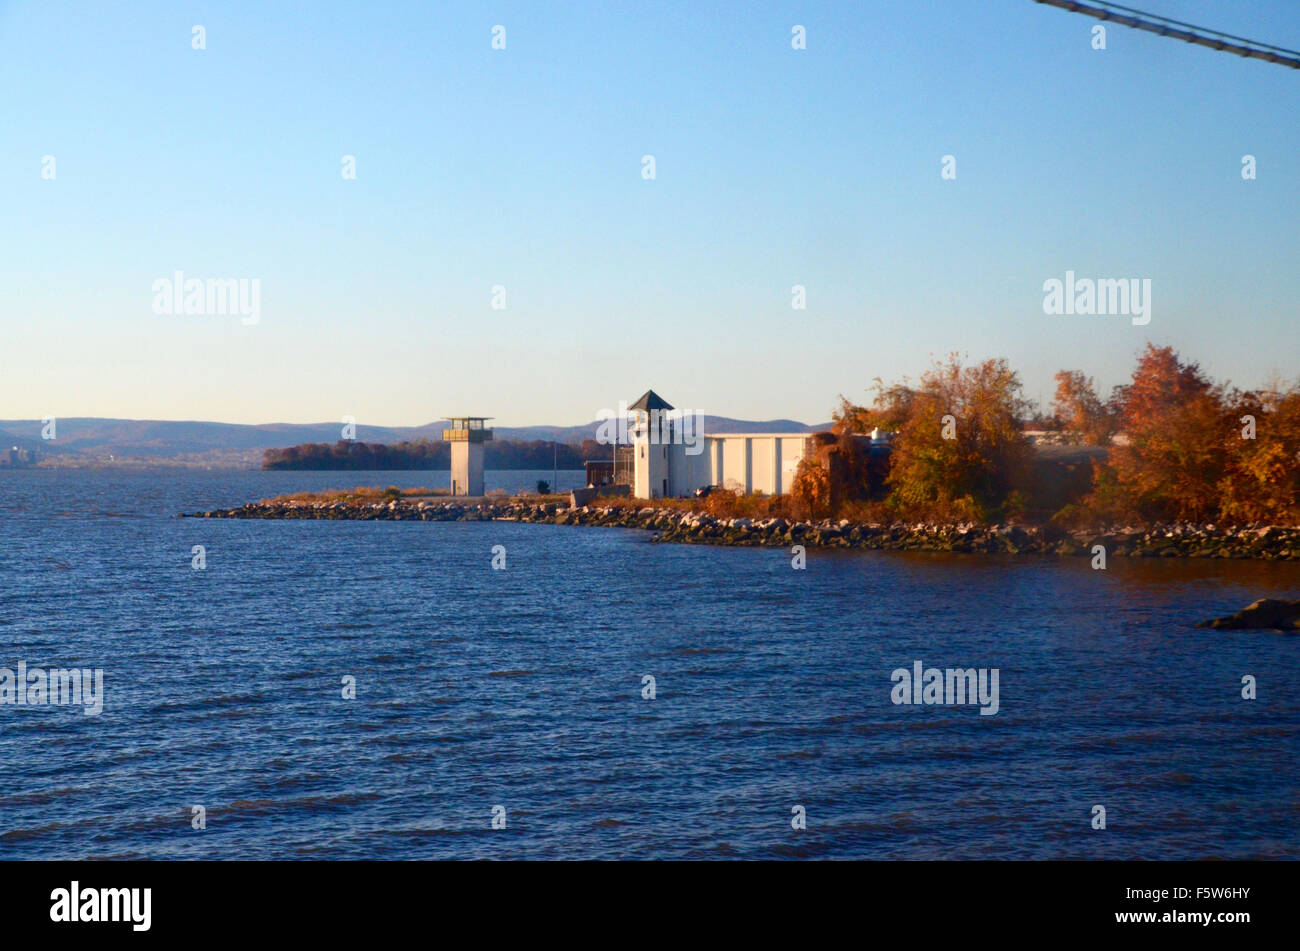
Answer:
(1163, 26)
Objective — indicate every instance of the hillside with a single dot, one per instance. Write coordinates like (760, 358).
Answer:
(84, 440)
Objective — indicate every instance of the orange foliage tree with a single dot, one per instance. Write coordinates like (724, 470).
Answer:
(893, 406)
(1080, 412)
(810, 493)
(1180, 445)
(1173, 455)
(1261, 481)
(973, 465)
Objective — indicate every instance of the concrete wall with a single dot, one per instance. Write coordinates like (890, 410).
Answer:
(792, 451)
(762, 462)
(734, 473)
(686, 472)
(586, 495)
(466, 468)
(653, 468)
(762, 465)
(743, 462)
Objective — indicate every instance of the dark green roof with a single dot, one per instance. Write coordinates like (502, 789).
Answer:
(651, 400)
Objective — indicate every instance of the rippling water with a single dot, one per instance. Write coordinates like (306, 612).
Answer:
(522, 688)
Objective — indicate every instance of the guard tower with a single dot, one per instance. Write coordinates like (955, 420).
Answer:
(652, 437)
(467, 434)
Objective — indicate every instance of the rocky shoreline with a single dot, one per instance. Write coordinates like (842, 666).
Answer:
(1266, 542)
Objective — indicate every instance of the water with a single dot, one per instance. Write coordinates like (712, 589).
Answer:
(522, 688)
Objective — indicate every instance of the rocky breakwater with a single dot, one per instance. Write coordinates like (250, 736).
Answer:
(1162, 541)
(672, 524)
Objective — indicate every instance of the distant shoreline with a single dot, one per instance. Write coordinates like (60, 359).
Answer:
(672, 524)
(140, 463)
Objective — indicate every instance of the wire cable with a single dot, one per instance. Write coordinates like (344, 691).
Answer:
(1177, 29)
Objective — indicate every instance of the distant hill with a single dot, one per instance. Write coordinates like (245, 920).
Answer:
(8, 439)
(96, 439)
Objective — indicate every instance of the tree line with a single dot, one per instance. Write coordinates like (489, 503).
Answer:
(423, 454)
(1171, 444)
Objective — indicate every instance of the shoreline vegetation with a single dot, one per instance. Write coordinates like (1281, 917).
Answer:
(1172, 464)
(1169, 446)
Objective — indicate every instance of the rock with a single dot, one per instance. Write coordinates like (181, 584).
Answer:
(1264, 614)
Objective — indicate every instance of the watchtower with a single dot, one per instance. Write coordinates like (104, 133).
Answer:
(467, 434)
(652, 437)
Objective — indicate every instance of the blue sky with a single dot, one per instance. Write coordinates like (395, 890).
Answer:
(522, 168)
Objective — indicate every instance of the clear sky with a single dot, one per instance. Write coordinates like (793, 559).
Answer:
(522, 168)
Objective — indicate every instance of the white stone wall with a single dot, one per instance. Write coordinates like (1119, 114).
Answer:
(466, 468)
(758, 462)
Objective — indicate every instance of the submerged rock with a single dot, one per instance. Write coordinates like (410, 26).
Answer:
(1264, 614)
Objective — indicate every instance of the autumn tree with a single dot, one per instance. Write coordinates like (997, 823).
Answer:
(1174, 421)
(810, 493)
(1083, 416)
(1261, 481)
(850, 418)
(892, 407)
(959, 449)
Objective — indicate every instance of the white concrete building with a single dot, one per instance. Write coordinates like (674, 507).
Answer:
(671, 462)
(467, 434)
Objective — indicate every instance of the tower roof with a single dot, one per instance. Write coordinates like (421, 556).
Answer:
(650, 401)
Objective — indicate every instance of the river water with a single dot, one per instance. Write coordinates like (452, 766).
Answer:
(522, 689)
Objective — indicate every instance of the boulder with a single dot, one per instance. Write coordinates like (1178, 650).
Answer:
(1264, 614)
